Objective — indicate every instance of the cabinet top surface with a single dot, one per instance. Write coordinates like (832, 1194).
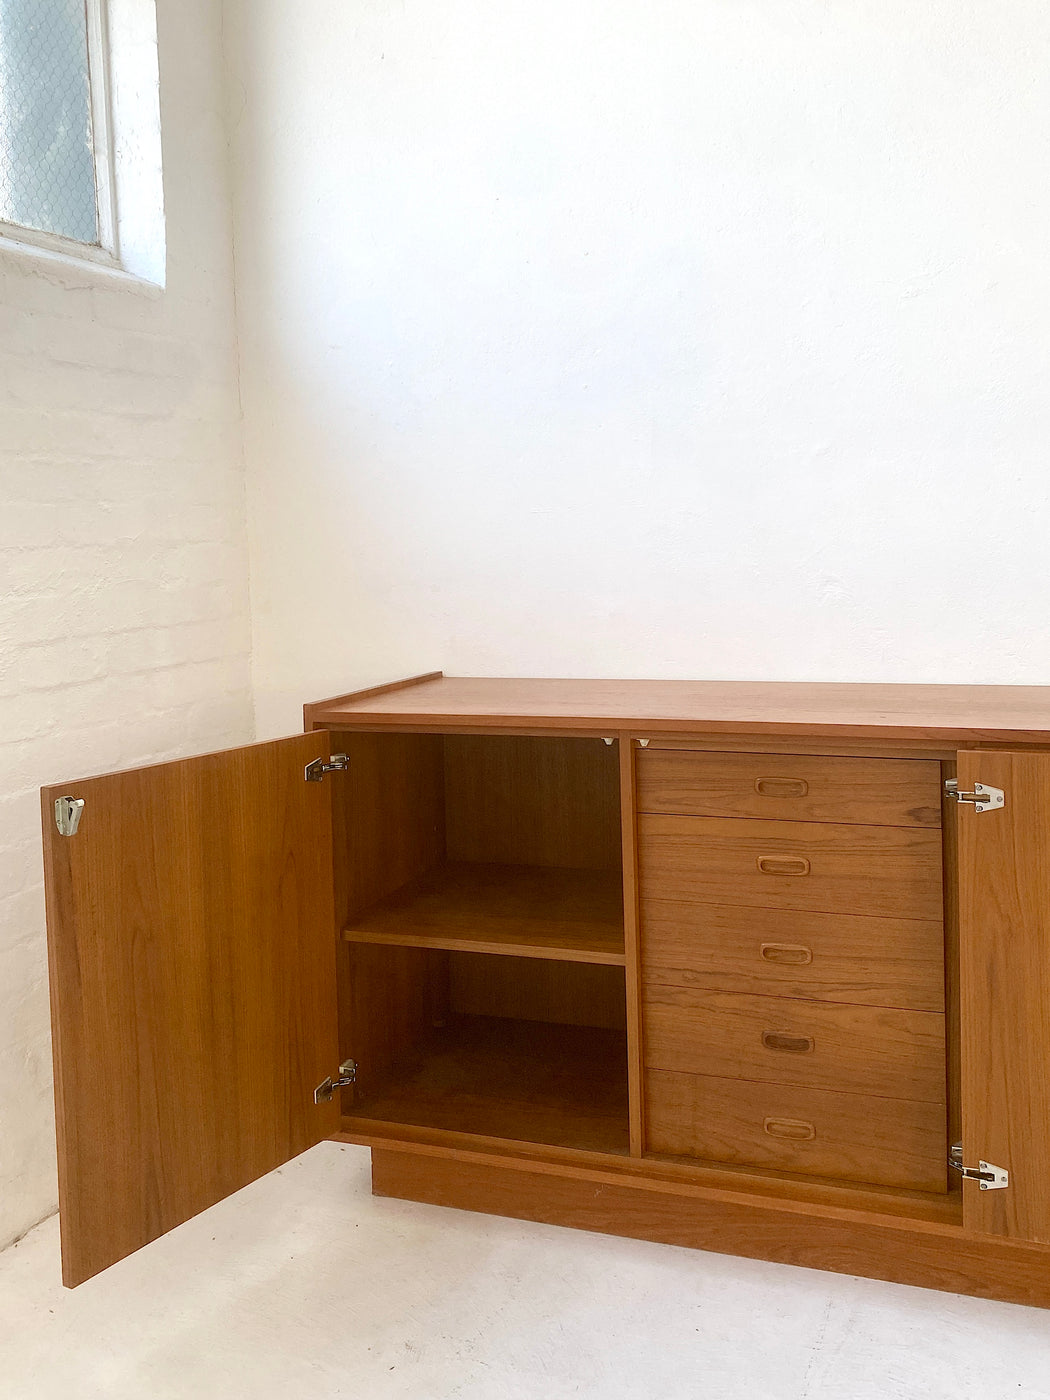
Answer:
(955, 714)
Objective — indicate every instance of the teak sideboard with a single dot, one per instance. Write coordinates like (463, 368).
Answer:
(758, 968)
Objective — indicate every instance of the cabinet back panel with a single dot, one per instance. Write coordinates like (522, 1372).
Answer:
(518, 800)
(532, 989)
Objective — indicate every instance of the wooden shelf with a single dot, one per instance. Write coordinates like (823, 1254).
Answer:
(523, 911)
(528, 1081)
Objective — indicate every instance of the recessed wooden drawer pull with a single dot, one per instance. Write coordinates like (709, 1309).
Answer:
(792, 1128)
(793, 1044)
(781, 787)
(790, 954)
(783, 865)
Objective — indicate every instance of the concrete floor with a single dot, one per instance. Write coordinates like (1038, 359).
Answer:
(304, 1286)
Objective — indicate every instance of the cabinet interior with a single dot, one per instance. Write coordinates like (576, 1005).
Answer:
(482, 967)
(481, 971)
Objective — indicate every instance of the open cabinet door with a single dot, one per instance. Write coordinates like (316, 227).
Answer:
(1004, 974)
(191, 943)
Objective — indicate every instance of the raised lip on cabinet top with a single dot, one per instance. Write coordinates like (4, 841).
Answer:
(947, 714)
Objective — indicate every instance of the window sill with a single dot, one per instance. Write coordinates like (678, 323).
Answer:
(72, 268)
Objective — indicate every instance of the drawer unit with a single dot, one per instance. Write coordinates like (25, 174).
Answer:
(871, 791)
(780, 952)
(891, 871)
(852, 1137)
(820, 1045)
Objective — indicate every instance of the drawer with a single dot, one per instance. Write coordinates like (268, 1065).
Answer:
(890, 871)
(872, 791)
(817, 1045)
(779, 952)
(849, 1137)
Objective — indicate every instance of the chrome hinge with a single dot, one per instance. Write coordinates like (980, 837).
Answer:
(347, 1076)
(68, 811)
(314, 772)
(987, 1175)
(983, 798)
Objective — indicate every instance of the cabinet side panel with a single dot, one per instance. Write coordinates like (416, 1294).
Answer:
(1004, 877)
(632, 941)
(388, 824)
(950, 835)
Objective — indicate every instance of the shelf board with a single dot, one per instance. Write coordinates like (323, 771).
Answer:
(516, 910)
(525, 1081)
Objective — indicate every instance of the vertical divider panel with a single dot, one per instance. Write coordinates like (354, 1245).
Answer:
(632, 944)
(952, 1029)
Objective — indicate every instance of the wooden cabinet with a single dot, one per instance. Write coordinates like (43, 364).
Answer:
(718, 964)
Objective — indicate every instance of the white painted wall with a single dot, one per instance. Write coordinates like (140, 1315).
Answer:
(124, 632)
(608, 337)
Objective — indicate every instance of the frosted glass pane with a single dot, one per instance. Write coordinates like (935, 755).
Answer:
(47, 168)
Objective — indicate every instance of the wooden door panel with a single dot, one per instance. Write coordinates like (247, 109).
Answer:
(1004, 917)
(191, 939)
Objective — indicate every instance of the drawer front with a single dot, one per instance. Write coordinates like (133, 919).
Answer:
(817, 1045)
(849, 1137)
(889, 871)
(872, 791)
(778, 952)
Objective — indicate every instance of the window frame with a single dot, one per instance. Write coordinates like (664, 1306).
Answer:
(106, 250)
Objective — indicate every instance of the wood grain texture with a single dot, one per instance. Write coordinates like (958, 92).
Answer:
(515, 800)
(191, 946)
(387, 1009)
(855, 1137)
(780, 952)
(632, 946)
(359, 696)
(774, 787)
(530, 911)
(946, 714)
(813, 1236)
(891, 871)
(518, 1080)
(799, 745)
(537, 989)
(388, 816)
(1004, 868)
(855, 1049)
(795, 1188)
(950, 840)
(388, 829)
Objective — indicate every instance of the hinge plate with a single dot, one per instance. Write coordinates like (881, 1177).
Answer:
(983, 798)
(988, 1176)
(338, 763)
(68, 811)
(347, 1076)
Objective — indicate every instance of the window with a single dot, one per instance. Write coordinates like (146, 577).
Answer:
(55, 154)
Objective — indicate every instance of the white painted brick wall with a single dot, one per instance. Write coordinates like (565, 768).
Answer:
(124, 630)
